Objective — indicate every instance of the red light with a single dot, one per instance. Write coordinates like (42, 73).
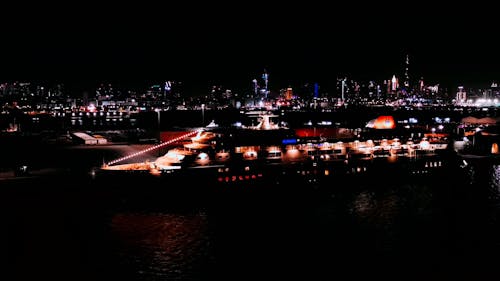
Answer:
(384, 122)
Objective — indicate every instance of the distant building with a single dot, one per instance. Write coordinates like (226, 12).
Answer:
(394, 83)
(407, 74)
(289, 94)
(421, 85)
(461, 96)
(265, 78)
(495, 90)
(433, 89)
(342, 88)
(255, 87)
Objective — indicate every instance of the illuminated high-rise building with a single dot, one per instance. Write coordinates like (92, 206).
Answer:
(343, 88)
(168, 87)
(255, 86)
(461, 97)
(394, 83)
(407, 74)
(421, 85)
(289, 94)
(265, 77)
(495, 90)
(316, 90)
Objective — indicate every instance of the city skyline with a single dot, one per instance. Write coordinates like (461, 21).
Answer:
(181, 140)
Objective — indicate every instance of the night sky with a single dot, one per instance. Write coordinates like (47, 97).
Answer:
(137, 45)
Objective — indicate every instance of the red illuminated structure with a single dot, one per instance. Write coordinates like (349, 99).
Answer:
(382, 122)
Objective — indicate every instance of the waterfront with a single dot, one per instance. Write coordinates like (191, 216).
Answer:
(354, 143)
(343, 203)
(384, 225)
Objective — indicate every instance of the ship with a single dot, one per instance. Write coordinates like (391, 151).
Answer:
(270, 150)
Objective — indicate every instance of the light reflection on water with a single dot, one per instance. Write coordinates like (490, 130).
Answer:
(388, 221)
(166, 246)
(378, 210)
(364, 204)
(495, 181)
(485, 176)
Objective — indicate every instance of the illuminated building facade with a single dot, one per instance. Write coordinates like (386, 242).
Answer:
(461, 97)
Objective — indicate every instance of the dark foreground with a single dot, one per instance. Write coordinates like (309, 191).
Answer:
(386, 225)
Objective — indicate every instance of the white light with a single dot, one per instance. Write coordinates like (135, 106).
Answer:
(151, 148)
(424, 145)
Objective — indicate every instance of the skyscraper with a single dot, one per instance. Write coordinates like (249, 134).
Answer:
(407, 75)
(289, 93)
(265, 77)
(255, 86)
(343, 88)
(461, 97)
(421, 84)
(394, 83)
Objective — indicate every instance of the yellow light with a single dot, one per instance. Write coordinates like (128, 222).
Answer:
(494, 148)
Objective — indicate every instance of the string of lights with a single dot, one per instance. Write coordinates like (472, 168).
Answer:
(135, 154)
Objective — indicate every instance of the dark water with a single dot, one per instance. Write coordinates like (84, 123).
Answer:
(386, 225)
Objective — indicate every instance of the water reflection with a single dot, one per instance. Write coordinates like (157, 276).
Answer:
(166, 246)
(413, 223)
(364, 204)
(495, 180)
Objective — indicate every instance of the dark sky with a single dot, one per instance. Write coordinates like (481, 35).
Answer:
(202, 45)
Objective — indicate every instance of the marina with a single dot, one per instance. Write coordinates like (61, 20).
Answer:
(253, 141)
